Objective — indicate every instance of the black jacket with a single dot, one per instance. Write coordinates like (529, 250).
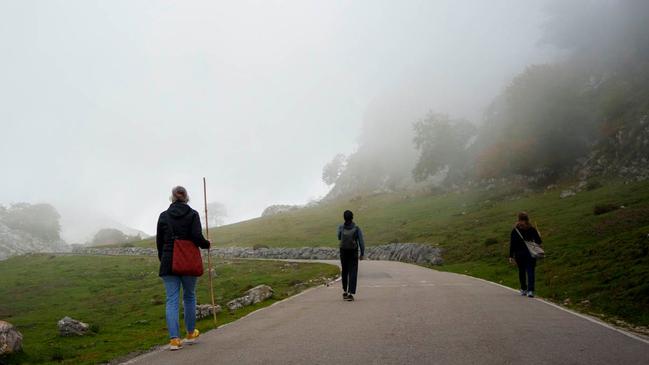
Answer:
(517, 247)
(185, 223)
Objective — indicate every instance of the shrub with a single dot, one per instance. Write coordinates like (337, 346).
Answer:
(490, 241)
(604, 208)
(594, 184)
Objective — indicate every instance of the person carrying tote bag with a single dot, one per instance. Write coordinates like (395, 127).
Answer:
(524, 248)
(178, 239)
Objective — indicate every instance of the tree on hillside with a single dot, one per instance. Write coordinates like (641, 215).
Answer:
(610, 40)
(543, 121)
(385, 155)
(40, 220)
(333, 169)
(442, 143)
(217, 212)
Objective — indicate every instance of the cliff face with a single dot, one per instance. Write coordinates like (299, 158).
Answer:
(625, 153)
(17, 242)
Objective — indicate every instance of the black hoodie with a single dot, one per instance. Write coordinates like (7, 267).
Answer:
(185, 223)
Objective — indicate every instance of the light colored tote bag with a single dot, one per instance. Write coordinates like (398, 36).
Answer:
(536, 251)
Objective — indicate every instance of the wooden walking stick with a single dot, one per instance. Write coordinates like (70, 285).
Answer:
(209, 257)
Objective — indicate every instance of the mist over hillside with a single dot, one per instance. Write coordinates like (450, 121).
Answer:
(256, 97)
(586, 114)
(29, 228)
(80, 227)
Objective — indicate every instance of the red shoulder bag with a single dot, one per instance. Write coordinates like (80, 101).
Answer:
(186, 259)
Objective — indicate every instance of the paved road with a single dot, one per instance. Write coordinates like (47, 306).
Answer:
(405, 314)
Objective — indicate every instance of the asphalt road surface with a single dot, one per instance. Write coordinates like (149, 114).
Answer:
(405, 314)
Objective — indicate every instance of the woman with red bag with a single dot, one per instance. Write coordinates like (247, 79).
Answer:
(179, 235)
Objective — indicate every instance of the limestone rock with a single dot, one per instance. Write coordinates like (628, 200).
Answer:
(252, 296)
(71, 327)
(11, 341)
(567, 194)
(206, 310)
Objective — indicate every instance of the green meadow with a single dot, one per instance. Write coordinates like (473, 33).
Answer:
(122, 298)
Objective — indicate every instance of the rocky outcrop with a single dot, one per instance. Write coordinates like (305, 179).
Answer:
(11, 341)
(206, 310)
(623, 153)
(71, 327)
(252, 296)
(17, 242)
(417, 253)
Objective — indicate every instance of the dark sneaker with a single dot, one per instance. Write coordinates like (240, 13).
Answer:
(523, 292)
(530, 294)
(350, 298)
(345, 295)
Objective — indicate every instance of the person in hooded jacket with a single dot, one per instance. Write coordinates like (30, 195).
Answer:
(179, 221)
(519, 254)
(351, 240)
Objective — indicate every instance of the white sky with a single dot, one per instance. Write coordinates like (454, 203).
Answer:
(105, 105)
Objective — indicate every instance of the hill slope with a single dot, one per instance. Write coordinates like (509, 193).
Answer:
(597, 263)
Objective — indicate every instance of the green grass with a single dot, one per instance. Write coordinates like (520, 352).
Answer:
(122, 298)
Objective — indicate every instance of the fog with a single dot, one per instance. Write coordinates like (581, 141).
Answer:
(105, 105)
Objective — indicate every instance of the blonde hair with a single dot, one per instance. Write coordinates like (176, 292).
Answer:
(179, 194)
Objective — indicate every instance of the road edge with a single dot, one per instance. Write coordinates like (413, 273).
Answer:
(587, 317)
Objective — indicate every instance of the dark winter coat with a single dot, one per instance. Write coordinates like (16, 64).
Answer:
(182, 222)
(517, 247)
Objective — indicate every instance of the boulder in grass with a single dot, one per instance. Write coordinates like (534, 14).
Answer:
(11, 341)
(72, 327)
(567, 194)
(206, 310)
(252, 296)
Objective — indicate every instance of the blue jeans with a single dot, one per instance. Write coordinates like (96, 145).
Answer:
(172, 286)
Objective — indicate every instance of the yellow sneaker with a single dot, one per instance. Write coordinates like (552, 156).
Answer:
(192, 337)
(175, 344)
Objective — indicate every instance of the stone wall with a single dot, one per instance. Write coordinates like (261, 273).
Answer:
(405, 252)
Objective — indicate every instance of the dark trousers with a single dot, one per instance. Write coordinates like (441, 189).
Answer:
(526, 266)
(349, 263)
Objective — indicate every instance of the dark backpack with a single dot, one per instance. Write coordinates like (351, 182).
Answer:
(348, 238)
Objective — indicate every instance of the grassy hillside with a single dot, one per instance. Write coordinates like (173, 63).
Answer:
(597, 263)
(122, 298)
